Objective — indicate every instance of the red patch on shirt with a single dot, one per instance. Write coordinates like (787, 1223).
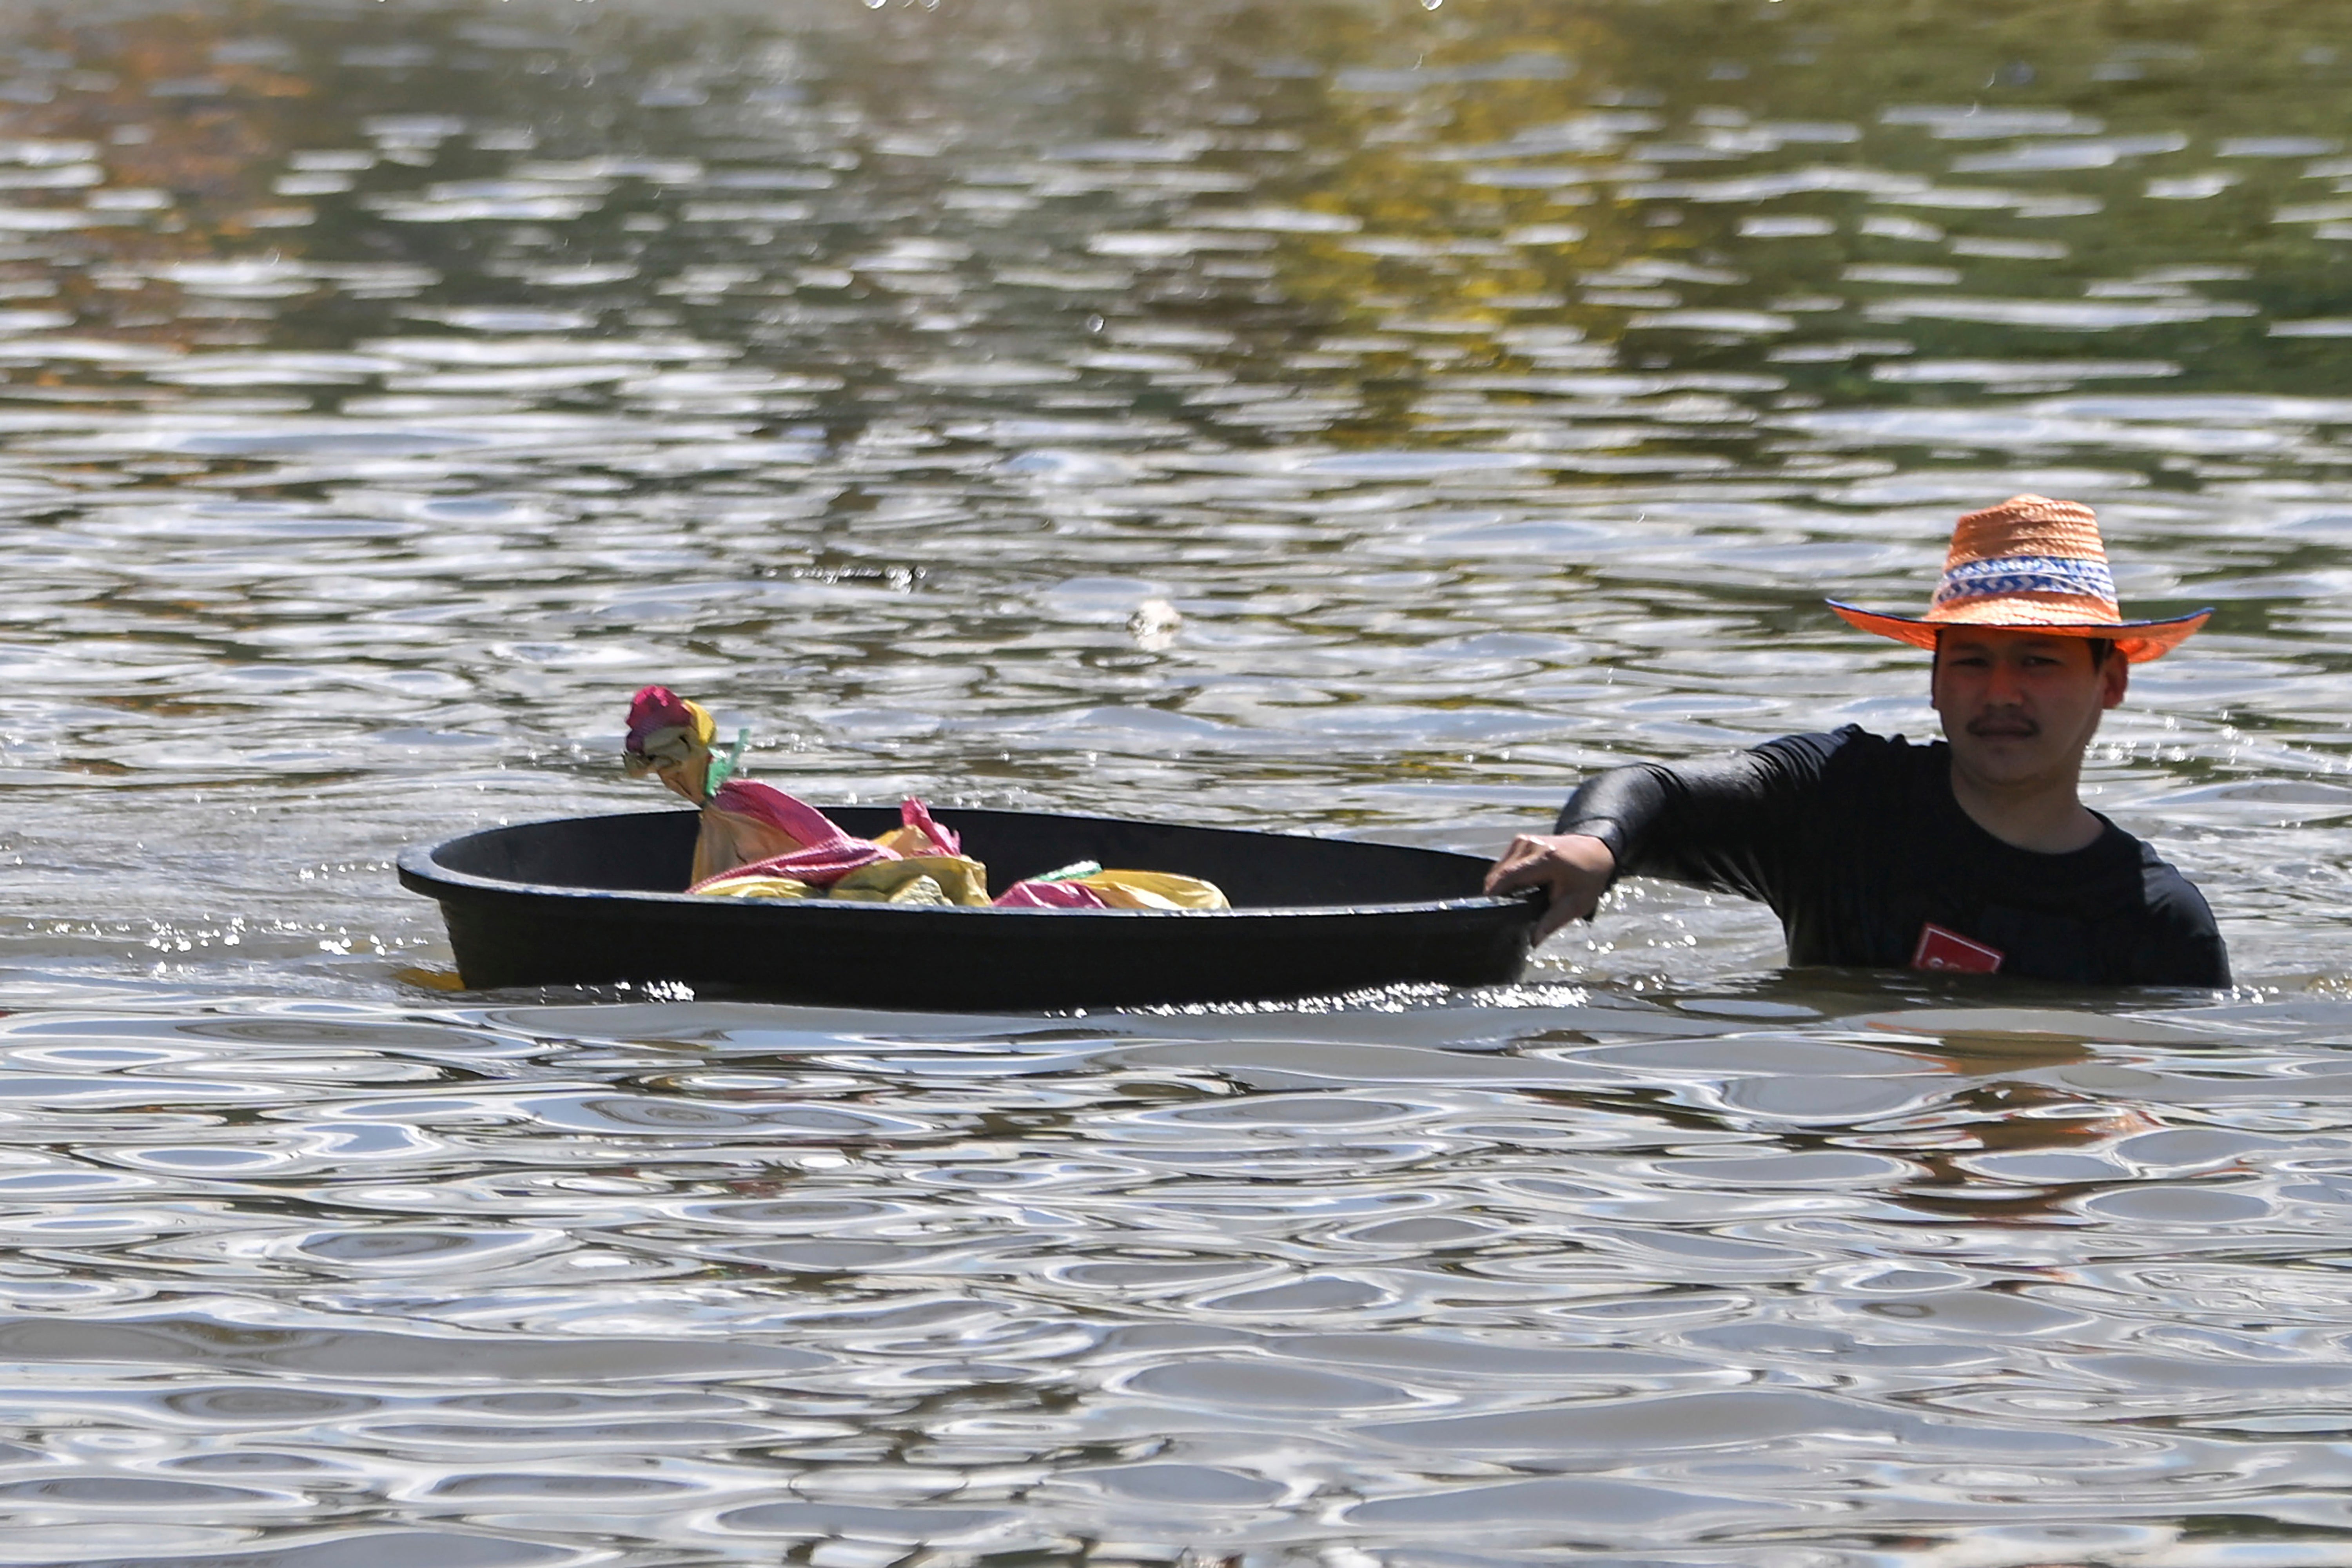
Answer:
(1942, 949)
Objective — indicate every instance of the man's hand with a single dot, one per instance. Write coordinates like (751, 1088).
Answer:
(1574, 868)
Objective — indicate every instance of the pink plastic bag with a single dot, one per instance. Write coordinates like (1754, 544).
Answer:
(824, 852)
(917, 834)
(1050, 896)
(914, 814)
(754, 831)
(748, 829)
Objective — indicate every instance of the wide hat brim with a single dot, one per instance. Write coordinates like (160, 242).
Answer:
(2138, 640)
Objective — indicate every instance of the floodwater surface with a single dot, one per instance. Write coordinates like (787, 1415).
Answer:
(1336, 417)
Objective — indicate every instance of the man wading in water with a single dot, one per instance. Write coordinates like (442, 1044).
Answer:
(1975, 853)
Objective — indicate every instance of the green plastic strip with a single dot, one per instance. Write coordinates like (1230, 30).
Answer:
(722, 769)
(1071, 872)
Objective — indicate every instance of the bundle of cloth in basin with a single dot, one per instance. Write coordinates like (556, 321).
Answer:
(756, 841)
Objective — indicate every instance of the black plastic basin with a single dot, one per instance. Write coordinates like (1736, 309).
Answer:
(598, 900)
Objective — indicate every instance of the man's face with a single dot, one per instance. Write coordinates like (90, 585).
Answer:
(2019, 705)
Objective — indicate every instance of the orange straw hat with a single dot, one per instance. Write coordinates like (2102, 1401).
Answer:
(2030, 562)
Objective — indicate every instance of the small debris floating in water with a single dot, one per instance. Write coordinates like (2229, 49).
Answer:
(1154, 623)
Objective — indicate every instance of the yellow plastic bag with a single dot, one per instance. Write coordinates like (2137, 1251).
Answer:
(758, 887)
(914, 890)
(1154, 890)
(954, 879)
(729, 839)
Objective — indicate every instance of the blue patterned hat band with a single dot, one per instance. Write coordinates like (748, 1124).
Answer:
(2025, 574)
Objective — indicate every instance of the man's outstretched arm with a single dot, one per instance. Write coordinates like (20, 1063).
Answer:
(1718, 823)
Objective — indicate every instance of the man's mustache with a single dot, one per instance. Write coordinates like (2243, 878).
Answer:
(2005, 725)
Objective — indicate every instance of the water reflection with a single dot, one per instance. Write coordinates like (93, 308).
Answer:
(1319, 417)
(1650, 1273)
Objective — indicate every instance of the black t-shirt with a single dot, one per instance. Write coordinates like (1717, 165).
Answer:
(1857, 844)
